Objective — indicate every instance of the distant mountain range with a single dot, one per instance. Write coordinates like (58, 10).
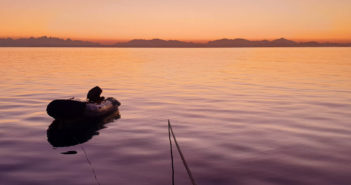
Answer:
(227, 43)
(44, 42)
(58, 42)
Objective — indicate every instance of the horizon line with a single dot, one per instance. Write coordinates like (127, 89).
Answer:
(195, 41)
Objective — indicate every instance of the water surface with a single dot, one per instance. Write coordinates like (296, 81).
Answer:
(246, 116)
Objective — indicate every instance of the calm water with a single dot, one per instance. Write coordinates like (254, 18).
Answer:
(251, 116)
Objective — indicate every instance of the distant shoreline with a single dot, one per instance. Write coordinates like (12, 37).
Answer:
(159, 43)
(108, 46)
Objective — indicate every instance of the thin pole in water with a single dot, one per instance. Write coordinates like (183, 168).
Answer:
(181, 155)
(171, 148)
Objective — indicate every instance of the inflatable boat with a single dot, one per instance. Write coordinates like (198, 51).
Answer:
(72, 109)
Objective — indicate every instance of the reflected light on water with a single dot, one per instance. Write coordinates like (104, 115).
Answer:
(242, 115)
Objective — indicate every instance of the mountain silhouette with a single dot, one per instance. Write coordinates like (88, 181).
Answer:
(44, 42)
(156, 43)
(282, 42)
(239, 42)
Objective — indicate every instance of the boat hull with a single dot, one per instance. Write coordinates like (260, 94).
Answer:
(72, 109)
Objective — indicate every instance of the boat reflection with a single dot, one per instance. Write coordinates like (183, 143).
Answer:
(64, 133)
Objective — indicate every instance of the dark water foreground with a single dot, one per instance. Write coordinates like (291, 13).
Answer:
(259, 116)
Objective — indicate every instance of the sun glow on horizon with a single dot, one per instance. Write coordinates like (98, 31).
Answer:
(108, 21)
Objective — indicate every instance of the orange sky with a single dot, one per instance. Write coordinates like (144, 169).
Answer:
(196, 20)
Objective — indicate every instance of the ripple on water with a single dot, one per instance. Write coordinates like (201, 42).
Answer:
(247, 116)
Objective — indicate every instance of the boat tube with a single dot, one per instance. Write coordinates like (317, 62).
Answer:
(71, 109)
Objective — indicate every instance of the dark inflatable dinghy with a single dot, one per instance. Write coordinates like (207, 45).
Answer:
(72, 109)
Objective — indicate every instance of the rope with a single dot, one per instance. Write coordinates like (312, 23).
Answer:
(181, 155)
(171, 148)
(89, 162)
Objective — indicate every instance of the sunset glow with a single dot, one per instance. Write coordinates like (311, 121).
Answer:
(189, 20)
